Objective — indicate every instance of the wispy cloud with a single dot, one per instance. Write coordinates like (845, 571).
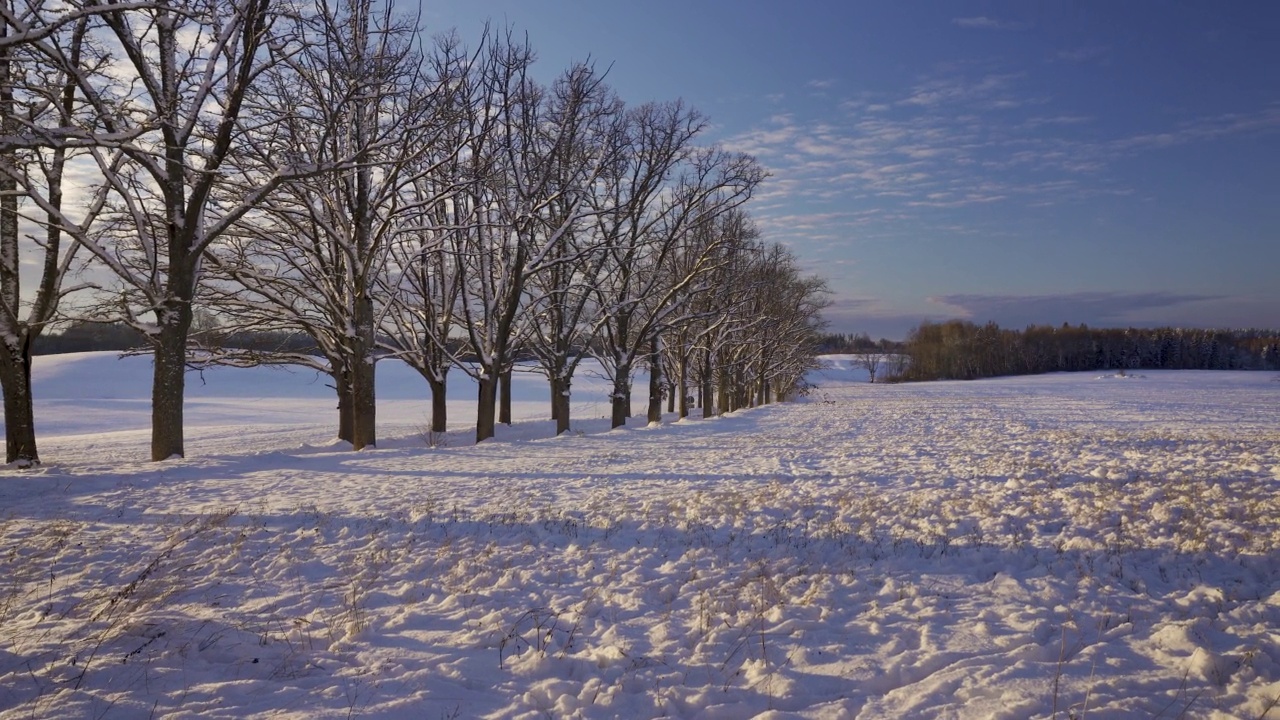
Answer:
(983, 22)
(1083, 54)
(1038, 122)
(948, 200)
(1206, 128)
(779, 133)
(1094, 308)
(943, 161)
(929, 148)
(1097, 309)
(949, 90)
(872, 316)
(946, 143)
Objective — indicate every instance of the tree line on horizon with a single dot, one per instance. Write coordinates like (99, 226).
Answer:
(204, 170)
(838, 343)
(962, 350)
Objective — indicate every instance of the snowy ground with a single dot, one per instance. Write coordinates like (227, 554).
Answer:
(1068, 545)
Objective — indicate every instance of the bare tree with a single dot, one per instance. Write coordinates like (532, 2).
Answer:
(523, 193)
(869, 356)
(422, 292)
(712, 316)
(765, 357)
(792, 308)
(34, 21)
(309, 258)
(168, 100)
(581, 138)
(15, 350)
(490, 259)
(659, 190)
(422, 286)
(708, 251)
(38, 100)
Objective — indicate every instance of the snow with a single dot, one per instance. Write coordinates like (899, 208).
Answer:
(1025, 547)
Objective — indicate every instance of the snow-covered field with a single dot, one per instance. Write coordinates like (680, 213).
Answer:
(1064, 545)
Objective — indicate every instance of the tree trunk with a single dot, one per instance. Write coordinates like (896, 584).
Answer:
(723, 395)
(364, 407)
(346, 416)
(504, 397)
(19, 416)
(169, 386)
(655, 380)
(560, 404)
(555, 405)
(682, 383)
(15, 355)
(439, 408)
(673, 392)
(485, 406)
(705, 391)
(622, 395)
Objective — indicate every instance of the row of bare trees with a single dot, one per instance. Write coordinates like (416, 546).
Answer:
(320, 169)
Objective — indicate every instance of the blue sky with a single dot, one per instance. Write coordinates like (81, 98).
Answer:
(1112, 163)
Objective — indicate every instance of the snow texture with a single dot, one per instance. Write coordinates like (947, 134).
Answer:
(1061, 545)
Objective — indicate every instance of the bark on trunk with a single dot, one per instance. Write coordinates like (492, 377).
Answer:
(168, 388)
(655, 380)
(19, 416)
(682, 384)
(364, 406)
(346, 417)
(723, 399)
(485, 407)
(439, 408)
(15, 355)
(504, 398)
(622, 395)
(560, 405)
(708, 399)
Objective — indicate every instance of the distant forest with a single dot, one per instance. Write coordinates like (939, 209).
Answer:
(850, 343)
(961, 350)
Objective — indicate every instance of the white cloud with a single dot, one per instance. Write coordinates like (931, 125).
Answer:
(939, 91)
(945, 145)
(1093, 308)
(985, 23)
(1083, 54)
(1206, 128)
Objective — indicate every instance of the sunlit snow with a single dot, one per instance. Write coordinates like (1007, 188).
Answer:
(1071, 545)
